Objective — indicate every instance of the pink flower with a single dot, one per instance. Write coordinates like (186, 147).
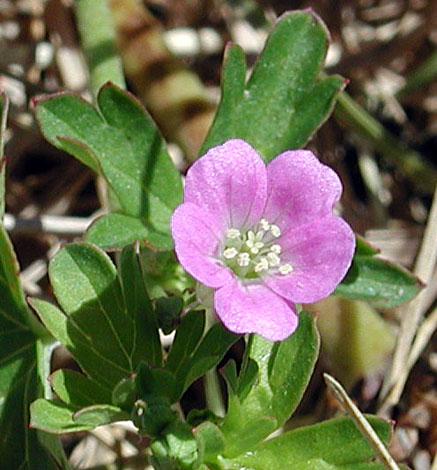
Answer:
(264, 237)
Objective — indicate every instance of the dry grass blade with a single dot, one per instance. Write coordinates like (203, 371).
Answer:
(361, 423)
(424, 334)
(413, 313)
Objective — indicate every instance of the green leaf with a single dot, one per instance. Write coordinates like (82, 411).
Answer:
(168, 311)
(23, 359)
(272, 381)
(176, 449)
(55, 418)
(19, 386)
(14, 314)
(87, 287)
(332, 445)
(4, 105)
(118, 230)
(157, 383)
(187, 338)
(285, 99)
(381, 282)
(125, 393)
(108, 325)
(98, 415)
(210, 441)
(102, 370)
(248, 435)
(207, 355)
(130, 152)
(77, 390)
(284, 370)
(147, 345)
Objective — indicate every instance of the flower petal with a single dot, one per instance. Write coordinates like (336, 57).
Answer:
(254, 308)
(300, 189)
(320, 254)
(230, 182)
(196, 239)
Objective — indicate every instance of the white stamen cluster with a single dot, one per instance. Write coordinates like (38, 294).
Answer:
(253, 252)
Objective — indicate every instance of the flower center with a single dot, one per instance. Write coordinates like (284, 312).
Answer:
(255, 252)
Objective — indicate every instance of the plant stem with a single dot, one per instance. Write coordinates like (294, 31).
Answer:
(421, 76)
(96, 28)
(410, 163)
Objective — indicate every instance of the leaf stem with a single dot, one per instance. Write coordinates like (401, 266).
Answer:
(96, 28)
(409, 162)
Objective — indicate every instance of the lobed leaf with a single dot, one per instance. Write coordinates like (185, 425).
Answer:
(284, 370)
(109, 325)
(120, 141)
(273, 379)
(285, 99)
(23, 359)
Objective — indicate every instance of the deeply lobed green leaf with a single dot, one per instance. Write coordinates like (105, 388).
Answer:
(120, 141)
(108, 325)
(270, 386)
(285, 99)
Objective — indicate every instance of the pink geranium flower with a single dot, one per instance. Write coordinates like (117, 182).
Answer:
(264, 237)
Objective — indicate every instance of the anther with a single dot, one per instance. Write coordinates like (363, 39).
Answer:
(276, 249)
(233, 233)
(243, 259)
(264, 224)
(275, 230)
(285, 269)
(273, 259)
(230, 253)
(262, 265)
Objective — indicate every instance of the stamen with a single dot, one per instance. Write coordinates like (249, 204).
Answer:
(273, 259)
(256, 247)
(263, 265)
(230, 253)
(243, 259)
(250, 253)
(275, 230)
(264, 224)
(285, 269)
(233, 233)
(276, 249)
(259, 236)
